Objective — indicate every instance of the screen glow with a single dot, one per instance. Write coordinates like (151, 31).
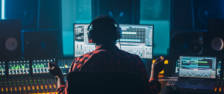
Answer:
(3, 9)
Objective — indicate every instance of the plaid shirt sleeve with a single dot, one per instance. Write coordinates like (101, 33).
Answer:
(61, 89)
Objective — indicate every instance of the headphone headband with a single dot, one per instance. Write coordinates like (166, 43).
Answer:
(97, 26)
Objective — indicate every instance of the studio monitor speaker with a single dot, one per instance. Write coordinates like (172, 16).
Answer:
(10, 42)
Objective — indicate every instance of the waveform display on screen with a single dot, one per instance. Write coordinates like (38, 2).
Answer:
(136, 39)
(197, 67)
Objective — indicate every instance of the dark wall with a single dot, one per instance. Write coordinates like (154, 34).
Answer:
(207, 9)
(191, 20)
(49, 14)
(181, 15)
(37, 16)
(191, 15)
(155, 9)
(23, 10)
(124, 11)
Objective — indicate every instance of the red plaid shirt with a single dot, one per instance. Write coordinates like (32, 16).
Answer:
(104, 59)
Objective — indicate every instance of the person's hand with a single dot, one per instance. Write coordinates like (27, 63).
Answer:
(54, 70)
(157, 66)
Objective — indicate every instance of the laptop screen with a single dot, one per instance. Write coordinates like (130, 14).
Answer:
(197, 67)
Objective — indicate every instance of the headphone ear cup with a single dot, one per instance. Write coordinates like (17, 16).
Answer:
(90, 35)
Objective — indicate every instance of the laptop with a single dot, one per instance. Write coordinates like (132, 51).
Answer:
(197, 72)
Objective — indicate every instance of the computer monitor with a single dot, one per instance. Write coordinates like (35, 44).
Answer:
(197, 67)
(136, 39)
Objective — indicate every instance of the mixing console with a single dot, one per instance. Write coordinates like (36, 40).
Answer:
(32, 77)
(2, 68)
(18, 67)
(41, 66)
(27, 84)
(26, 77)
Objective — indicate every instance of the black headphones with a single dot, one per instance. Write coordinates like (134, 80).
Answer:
(97, 29)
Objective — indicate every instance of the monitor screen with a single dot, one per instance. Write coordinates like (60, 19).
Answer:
(197, 67)
(136, 39)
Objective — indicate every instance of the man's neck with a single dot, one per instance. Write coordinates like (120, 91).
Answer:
(112, 46)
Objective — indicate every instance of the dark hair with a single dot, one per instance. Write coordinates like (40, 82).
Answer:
(104, 30)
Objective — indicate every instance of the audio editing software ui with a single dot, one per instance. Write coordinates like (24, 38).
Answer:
(136, 39)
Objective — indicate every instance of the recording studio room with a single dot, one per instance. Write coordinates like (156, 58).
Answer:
(111, 46)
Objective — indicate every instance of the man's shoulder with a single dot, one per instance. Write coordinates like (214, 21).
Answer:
(104, 53)
(92, 53)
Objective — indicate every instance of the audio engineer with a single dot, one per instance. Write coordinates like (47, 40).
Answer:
(104, 32)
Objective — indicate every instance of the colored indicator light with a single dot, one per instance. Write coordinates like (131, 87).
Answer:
(24, 88)
(11, 89)
(15, 89)
(42, 65)
(153, 61)
(20, 89)
(18, 67)
(161, 57)
(28, 88)
(215, 89)
(23, 67)
(50, 86)
(33, 87)
(37, 87)
(66, 66)
(45, 86)
(166, 62)
(220, 89)
(41, 86)
(162, 72)
(54, 86)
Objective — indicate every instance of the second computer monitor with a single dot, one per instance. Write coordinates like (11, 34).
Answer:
(197, 67)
